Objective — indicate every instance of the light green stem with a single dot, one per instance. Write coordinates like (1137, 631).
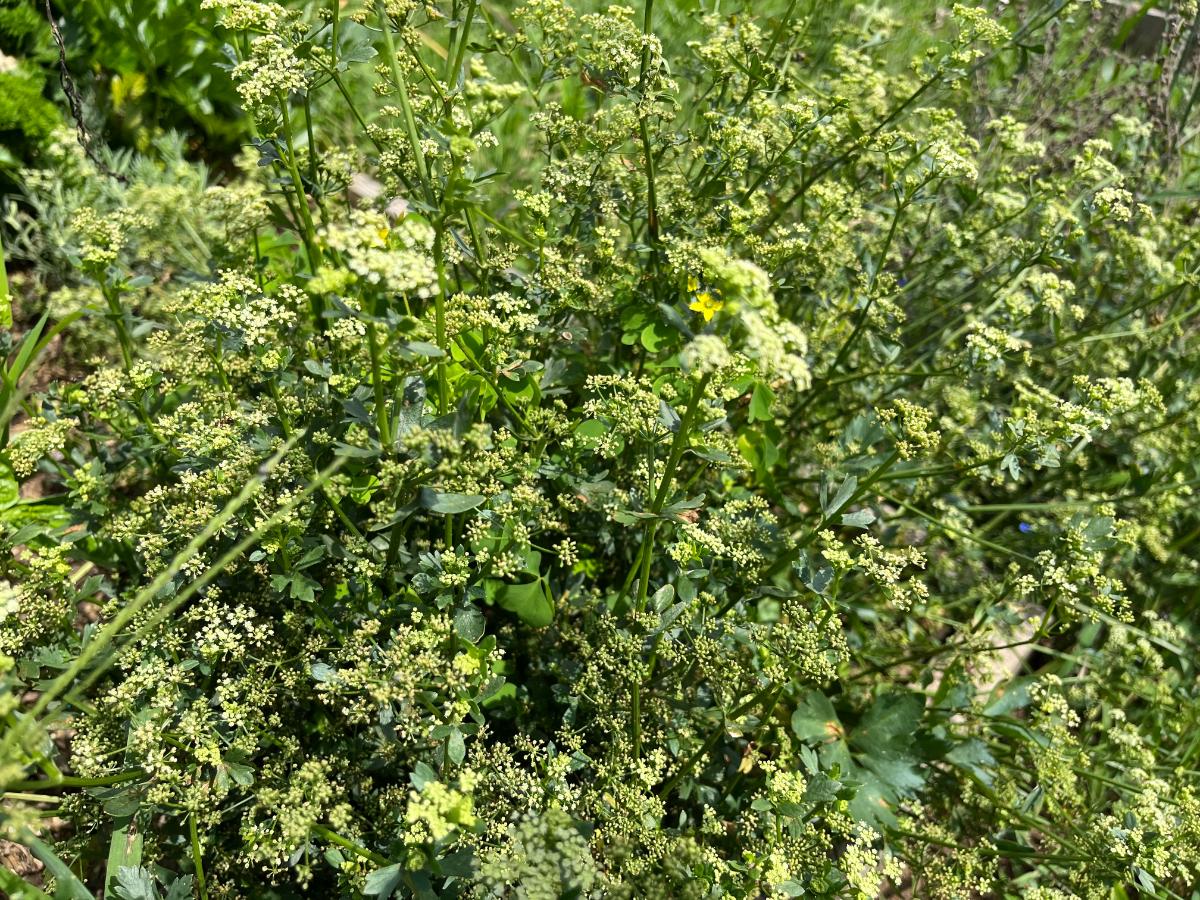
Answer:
(462, 36)
(116, 314)
(197, 858)
(674, 455)
(678, 446)
(410, 122)
(381, 411)
(306, 221)
(345, 843)
(644, 129)
(439, 324)
(439, 312)
(68, 781)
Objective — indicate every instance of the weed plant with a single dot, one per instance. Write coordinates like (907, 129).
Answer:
(746, 449)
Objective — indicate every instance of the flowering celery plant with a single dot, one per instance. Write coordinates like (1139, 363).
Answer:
(720, 459)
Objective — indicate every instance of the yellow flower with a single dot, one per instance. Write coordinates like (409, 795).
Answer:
(707, 305)
(693, 284)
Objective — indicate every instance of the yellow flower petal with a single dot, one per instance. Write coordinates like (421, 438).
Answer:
(707, 305)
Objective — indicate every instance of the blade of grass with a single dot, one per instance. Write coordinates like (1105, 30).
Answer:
(17, 888)
(6, 319)
(69, 887)
(124, 849)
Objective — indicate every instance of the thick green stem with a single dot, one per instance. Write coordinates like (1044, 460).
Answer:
(674, 455)
(439, 255)
(381, 410)
(678, 446)
(341, 85)
(644, 129)
(19, 797)
(197, 858)
(312, 160)
(285, 424)
(439, 312)
(306, 221)
(346, 844)
(117, 315)
(455, 60)
(71, 781)
(410, 122)
(861, 322)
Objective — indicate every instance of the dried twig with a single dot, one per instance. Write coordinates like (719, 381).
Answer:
(75, 100)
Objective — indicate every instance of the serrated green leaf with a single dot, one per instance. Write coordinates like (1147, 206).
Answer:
(421, 775)
(974, 756)
(898, 771)
(844, 492)
(122, 805)
(632, 517)
(238, 772)
(816, 720)
(10, 488)
(662, 598)
(456, 748)
(382, 883)
(459, 864)
(180, 889)
(815, 576)
(320, 369)
(860, 518)
(135, 883)
(890, 724)
(873, 802)
(821, 789)
(668, 416)
(1008, 697)
(528, 601)
(762, 402)
(469, 624)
